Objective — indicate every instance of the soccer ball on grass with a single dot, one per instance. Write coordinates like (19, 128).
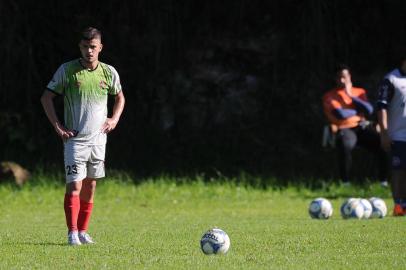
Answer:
(352, 208)
(379, 208)
(320, 208)
(215, 241)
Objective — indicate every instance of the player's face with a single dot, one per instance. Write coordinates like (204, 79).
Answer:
(344, 77)
(90, 50)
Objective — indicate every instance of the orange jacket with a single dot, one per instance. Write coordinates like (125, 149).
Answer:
(338, 99)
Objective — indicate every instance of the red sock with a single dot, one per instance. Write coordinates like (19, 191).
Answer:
(84, 215)
(72, 205)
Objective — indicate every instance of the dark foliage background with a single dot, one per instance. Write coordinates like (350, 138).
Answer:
(211, 86)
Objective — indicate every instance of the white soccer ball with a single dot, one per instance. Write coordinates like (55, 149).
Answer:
(352, 208)
(379, 208)
(320, 208)
(215, 241)
(367, 208)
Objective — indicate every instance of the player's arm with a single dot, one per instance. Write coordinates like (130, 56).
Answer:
(363, 105)
(47, 101)
(383, 125)
(341, 113)
(361, 102)
(385, 95)
(118, 108)
(334, 108)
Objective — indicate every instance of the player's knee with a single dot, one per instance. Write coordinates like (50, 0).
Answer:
(87, 193)
(89, 184)
(74, 188)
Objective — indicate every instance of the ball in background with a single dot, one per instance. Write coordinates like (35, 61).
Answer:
(379, 209)
(352, 208)
(320, 208)
(215, 241)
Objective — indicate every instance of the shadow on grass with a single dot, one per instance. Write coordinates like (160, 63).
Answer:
(35, 244)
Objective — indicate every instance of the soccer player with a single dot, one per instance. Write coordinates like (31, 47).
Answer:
(392, 121)
(346, 108)
(85, 84)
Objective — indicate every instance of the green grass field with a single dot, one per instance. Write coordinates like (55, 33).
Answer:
(158, 225)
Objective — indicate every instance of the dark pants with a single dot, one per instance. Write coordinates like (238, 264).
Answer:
(398, 181)
(366, 138)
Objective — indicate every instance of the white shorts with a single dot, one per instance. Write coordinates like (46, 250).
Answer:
(83, 161)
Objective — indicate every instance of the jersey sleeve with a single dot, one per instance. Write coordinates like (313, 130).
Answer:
(115, 86)
(386, 91)
(58, 82)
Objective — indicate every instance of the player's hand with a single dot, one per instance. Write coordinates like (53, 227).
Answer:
(64, 133)
(109, 125)
(385, 141)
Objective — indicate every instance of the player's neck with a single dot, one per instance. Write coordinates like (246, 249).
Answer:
(89, 65)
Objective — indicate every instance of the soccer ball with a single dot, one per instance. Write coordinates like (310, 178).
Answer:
(215, 241)
(379, 209)
(320, 208)
(352, 208)
(367, 208)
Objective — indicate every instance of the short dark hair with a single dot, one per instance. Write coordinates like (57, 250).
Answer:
(341, 67)
(90, 33)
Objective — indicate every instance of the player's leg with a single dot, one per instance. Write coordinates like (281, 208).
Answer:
(71, 207)
(401, 186)
(72, 204)
(398, 179)
(88, 190)
(370, 140)
(75, 172)
(346, 141)
(86, 207)
(95, 170)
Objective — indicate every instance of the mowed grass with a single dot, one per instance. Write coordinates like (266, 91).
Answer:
(158, 225)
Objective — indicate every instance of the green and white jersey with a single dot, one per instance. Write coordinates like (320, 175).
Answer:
(85, 95)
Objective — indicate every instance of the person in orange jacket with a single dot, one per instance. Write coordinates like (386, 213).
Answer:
(346, 107)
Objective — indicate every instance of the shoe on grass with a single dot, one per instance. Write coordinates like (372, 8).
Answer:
(85, 238)
(73, 239)
(398, 211)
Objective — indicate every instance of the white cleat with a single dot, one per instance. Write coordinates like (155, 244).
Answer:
(85, 238)
(73, 239)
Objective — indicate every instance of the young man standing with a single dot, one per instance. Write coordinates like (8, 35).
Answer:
(392, 120)
(346, 108)
(85, 84)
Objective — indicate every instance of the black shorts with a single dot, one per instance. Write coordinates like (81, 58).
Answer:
(398, 155)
